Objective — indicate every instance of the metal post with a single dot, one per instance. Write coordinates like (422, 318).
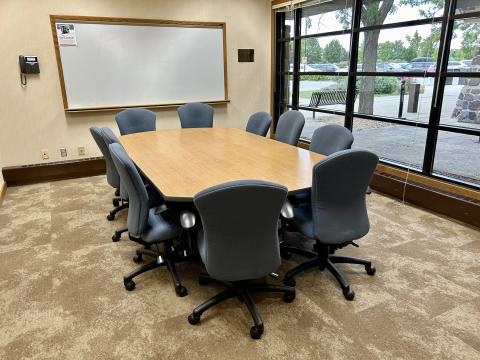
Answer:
(402, 96)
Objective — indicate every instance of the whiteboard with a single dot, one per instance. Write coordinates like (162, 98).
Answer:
(121, 65)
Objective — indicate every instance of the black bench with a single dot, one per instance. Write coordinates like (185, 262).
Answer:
(328, 97)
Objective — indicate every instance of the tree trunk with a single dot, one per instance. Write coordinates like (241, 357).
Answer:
(367, 85)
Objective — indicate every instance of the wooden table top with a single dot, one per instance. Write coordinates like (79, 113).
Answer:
(182, 162)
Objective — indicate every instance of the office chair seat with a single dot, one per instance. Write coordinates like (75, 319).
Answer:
(302, 220)
(160, 227)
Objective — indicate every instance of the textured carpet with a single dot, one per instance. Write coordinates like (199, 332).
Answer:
(62, 297)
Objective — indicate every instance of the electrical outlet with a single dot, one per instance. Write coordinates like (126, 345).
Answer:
(63, 152)
(81, 150)
(45, 155)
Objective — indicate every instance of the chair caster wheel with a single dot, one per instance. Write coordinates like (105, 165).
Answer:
(349, 294)
(256, 331)
(288, 297)
(116, 238)
(129, 284)
(202, 280)
(181, 291)
(137, 258)
(110, 217)
(370, 270)
(289, 281)
(116, 202)
(285, 255)
(193, 319)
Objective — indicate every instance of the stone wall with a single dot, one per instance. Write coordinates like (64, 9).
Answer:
(467, 108)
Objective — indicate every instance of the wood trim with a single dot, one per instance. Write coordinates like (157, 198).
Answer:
(61, 170)
(428, 181)
(225, 72)
(445, 204)
(56, 46)
(3, 191)
(134, 21)
(273, 60)
(147, 106)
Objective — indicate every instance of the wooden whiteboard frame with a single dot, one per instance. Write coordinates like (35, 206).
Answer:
(133, 21)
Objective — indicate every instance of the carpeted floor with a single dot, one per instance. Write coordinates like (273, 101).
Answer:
(62, 297)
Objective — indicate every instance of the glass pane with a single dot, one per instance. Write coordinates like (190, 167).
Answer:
(285, 96)
(329, 53)
(288, 56)
(398, 143)
(323, 91)
(465, 46)
(461, 103)
(329, 16)
(382, 96)
(313, 121)
(288, 29)
(467, 6)
(413, 48)
(377, 12)
(457, 156)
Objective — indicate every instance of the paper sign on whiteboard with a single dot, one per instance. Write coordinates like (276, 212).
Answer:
(66, 35)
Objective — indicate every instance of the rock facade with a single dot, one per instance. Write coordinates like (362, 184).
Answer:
(467, 108)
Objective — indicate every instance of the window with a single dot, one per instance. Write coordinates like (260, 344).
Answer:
(457, 156)
(403, 75)
(395, 143)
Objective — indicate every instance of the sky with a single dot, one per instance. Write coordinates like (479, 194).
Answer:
(329, 22)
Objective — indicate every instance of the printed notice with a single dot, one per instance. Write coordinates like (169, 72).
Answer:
(66, 35)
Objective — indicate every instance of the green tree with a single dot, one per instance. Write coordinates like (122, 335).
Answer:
(392, 50)
(334, 52)
(374, 13)
(310, 48)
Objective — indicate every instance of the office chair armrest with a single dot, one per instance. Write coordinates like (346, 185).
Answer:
(287, 210)
(187, 219)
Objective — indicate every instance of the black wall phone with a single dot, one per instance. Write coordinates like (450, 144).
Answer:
(28, 65)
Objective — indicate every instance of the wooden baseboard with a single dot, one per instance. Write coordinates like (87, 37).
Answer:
(457, 207)
(61, 170)
(3, 190)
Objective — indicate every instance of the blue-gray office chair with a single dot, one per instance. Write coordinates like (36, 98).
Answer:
(289, 127)
(113, 179)
(330, 139)
(137, 120)
(108, 138)
(195, 115)
(239, 242)
(150, 226)
(337, 215)
(259, 123)
(326, 140)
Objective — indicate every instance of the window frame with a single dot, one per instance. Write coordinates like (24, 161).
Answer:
(433, 126)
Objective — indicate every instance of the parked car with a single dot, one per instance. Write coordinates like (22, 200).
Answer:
(457, 66)
(385, 67)
(467, 63)
(421, 64)
(324, 67)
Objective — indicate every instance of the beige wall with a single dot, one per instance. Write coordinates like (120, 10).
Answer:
(33, 118)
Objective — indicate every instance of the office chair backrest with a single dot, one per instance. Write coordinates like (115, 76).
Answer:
(240, 223)
(289, 127)
(338, 196)
(138, 205)
(132, 121)
(259, 123)
(112, 175)
(329, 139)
(195, 115)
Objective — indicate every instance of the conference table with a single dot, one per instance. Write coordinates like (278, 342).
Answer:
(182, 162)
